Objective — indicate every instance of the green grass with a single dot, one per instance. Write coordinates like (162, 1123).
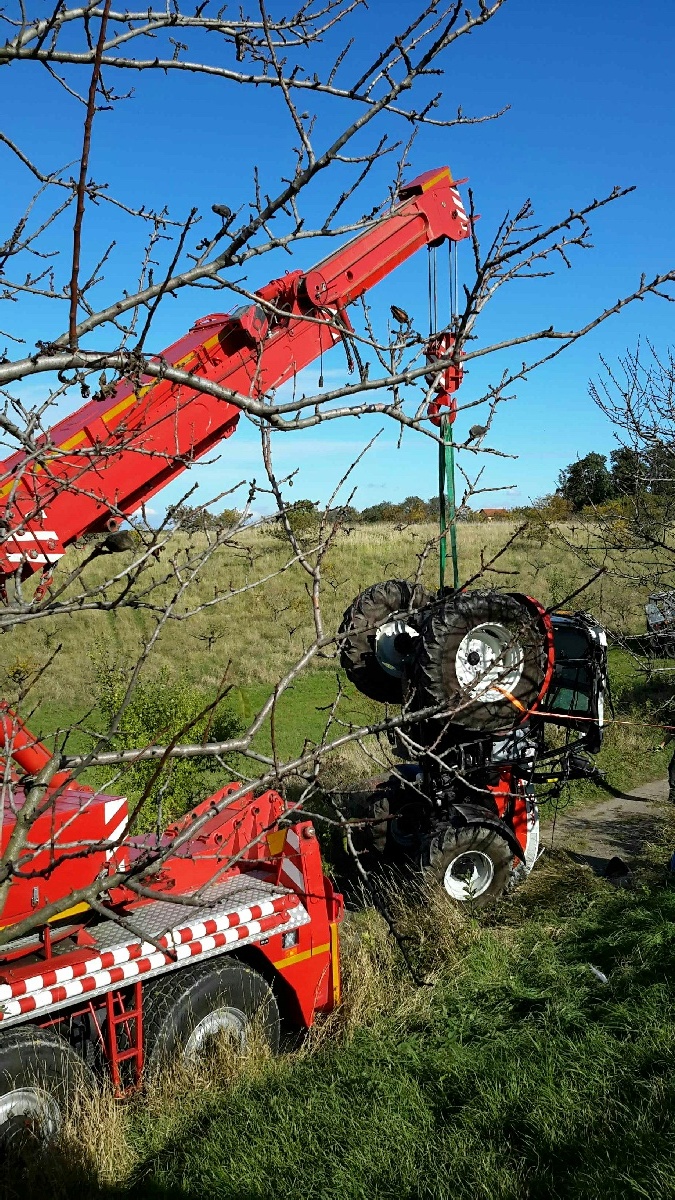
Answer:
(527, 1084)
(522, 1075)
(303, 711)
(260, 633)
(517, 1075)
(256, 635)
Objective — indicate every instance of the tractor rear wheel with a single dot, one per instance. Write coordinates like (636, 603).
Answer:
(484, 657)
(472, 864)
(186, 1011)
(40, 1074)
(377, 637)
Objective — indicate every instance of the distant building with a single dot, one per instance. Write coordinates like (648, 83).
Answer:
(494, 514)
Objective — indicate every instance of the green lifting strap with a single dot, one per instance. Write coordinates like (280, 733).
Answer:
(446, 496)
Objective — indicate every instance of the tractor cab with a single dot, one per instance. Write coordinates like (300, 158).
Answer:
(576, 692)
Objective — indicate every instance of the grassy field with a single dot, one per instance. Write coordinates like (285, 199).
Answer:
(516, 1072)
(251, 638)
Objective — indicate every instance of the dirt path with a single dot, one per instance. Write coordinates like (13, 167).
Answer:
(615, 826)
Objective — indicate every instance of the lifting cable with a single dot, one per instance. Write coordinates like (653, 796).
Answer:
(447, 507)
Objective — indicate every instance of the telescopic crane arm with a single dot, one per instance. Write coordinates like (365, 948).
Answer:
(111, 456)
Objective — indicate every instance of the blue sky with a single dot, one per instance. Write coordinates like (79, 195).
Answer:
(592, 106)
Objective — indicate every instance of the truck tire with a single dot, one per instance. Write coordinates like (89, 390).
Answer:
(484, 656)
(40, 1074)
(185, 1010)
(368, 635)
(472, 864)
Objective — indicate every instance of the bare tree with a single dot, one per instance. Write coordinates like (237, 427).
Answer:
(630, 535)
(98, 336)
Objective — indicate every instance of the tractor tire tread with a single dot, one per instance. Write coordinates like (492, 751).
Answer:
(356, 635)
(432, 679)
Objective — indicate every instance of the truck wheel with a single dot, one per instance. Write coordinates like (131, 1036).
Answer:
(40, 1074)
(472, 864)
(484, 656)
(376, 638)
(184, 1011)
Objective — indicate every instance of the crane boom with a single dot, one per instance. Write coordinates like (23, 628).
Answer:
(104, 461)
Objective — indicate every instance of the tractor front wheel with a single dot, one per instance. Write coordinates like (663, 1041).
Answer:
(472, 864)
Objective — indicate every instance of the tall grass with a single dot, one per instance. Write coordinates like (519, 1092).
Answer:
(257, 634)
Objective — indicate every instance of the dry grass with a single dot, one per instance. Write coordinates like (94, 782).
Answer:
(173, 1089)
(93, 1151)
(376, 981)
(259, 633)
(97, 1147)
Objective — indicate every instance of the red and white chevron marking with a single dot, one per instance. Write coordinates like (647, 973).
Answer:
(461, 211)
(290, 872)
(125, 963)
(41, 546)
(116, 819)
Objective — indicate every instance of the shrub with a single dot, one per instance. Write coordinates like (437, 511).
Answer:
(303, 519)
(159, 712)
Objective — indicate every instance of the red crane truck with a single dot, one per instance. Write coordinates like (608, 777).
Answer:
(146, 947)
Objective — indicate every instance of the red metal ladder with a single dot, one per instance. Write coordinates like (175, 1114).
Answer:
(129, 1016)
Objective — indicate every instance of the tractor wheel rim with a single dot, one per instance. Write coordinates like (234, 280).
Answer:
(388, 657)
(489, 663)
(28, 1114)
(469, 875)
(231, 1021)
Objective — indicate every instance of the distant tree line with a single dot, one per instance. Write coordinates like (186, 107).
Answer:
(632, 474)
(303, 515)
(411, 511)
(199, 519)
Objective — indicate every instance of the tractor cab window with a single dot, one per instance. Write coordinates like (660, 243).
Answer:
(573, 682)
(579, 672)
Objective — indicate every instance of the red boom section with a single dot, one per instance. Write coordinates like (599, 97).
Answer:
(113, 455)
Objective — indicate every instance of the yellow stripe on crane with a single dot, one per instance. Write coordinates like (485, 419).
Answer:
(129, 400)
(126, 403)
(444, 173)
(73, 441)
(110, 415)
(70, 444)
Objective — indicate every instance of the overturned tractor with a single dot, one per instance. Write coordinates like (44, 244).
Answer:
(478, 675)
